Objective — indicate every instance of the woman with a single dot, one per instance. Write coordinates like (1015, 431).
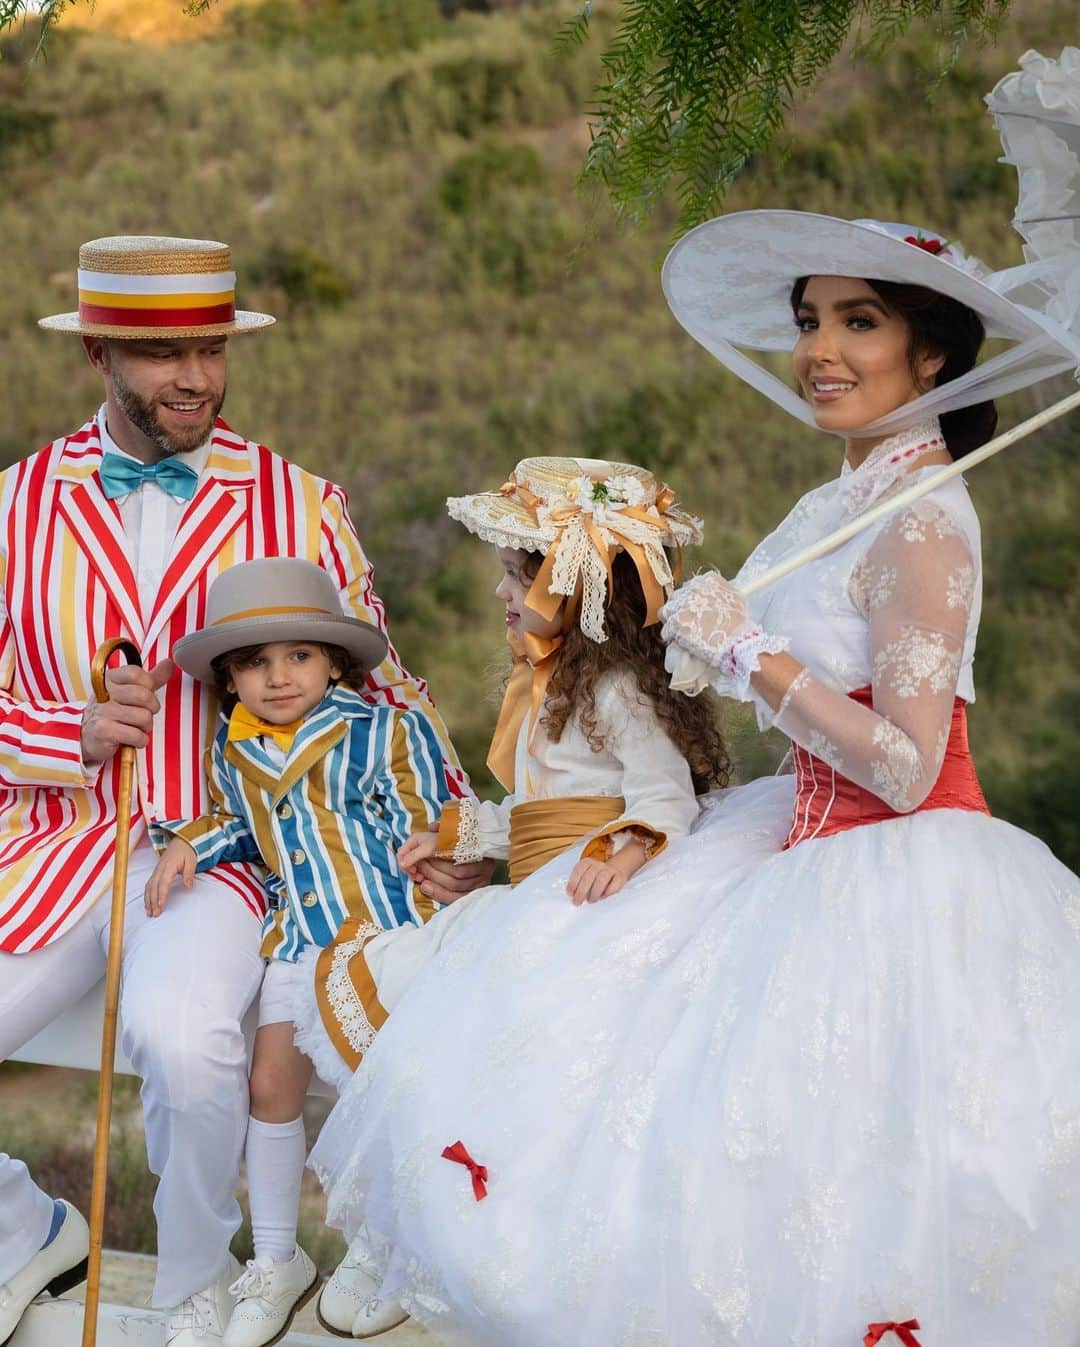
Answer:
(811, 1091)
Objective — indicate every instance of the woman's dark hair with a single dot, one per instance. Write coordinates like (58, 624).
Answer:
(692, 723)
(352, 670)
(941, 326)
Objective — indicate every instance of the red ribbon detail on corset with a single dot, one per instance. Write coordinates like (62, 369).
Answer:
(828, 803)
(461, 1156)
(902, 1331)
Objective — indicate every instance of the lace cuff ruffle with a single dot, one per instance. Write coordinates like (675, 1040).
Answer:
(741, 657)
(459, 833)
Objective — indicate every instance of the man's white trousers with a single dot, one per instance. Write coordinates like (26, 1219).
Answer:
(188, 977)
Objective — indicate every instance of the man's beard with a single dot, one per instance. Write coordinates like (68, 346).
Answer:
(143, 415)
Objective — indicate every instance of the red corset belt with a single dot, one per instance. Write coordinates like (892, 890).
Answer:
(827, 803)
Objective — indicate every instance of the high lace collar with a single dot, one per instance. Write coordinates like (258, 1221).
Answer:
(887, 462)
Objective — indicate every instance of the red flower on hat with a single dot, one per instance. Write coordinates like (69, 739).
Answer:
(933, 246)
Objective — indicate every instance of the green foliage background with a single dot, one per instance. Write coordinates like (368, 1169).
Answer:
(398, 186)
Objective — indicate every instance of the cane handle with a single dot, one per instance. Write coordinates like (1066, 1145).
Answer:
(105, 652)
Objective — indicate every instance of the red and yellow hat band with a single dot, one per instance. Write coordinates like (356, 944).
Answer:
(189, 299)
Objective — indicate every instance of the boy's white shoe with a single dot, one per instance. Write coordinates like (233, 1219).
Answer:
(200, 1320)
(56, 1269)
(268, 1294)
(349, 1304)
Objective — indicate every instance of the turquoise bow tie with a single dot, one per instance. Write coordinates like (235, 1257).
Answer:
(120, 476)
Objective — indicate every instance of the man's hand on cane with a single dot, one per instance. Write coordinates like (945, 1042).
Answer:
(126, 718)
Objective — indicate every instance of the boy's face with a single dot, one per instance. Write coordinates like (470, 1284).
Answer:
(283, 680)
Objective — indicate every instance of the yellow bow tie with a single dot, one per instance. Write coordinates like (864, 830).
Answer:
(244, 725)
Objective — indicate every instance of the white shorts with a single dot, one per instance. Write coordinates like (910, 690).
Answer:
(281, 983)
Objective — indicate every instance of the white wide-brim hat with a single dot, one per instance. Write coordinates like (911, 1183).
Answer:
(275, 599)
(731, 277)
(729, 281)
(149, 287)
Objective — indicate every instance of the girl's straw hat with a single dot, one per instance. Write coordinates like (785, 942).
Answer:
(578, 513)
(143, 286)
(275, 599)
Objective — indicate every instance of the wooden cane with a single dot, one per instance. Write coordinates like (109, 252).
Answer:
(112, 993)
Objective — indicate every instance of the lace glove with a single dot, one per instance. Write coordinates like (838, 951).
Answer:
(708, 620)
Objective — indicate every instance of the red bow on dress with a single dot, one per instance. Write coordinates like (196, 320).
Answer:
(902, 1331)
(461, 1156)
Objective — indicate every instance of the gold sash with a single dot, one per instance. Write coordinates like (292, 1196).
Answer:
(540, 830)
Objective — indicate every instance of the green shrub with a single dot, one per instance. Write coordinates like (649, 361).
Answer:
(26, 129)
(305, 278)
(470, 181)
(1043, 558)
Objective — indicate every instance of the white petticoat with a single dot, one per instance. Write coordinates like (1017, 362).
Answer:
(758, 1099)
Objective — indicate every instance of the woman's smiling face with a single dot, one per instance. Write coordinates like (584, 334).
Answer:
(852, 355)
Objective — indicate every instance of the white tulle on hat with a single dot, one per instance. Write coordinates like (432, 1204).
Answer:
(729, 281)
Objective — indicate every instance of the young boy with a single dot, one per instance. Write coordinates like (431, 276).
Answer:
(321, 787)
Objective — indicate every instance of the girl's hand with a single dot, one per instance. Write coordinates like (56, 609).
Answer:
(592, 880)
(419, 847)
(178, 858)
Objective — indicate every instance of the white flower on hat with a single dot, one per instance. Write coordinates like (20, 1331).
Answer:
(611, 495)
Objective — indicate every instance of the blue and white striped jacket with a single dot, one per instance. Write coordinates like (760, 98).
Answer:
(356, 782)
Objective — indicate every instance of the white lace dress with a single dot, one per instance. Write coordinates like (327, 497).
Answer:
(763, 1097)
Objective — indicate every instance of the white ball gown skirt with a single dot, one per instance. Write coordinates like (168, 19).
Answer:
(758, 1099)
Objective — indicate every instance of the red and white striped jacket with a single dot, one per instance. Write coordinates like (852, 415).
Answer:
(68, 585)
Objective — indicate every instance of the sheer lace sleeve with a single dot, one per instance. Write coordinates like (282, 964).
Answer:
(915, 587)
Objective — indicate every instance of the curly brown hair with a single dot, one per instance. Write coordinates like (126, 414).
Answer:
(353, 671)
(691, 723)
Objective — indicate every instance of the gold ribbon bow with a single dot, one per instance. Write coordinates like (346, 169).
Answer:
(244, 724)
(543, 601)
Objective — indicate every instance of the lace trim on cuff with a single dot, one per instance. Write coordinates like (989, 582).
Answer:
(459, 833)
(740, 657)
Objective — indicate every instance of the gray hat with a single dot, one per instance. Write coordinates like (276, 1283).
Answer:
(275, 599)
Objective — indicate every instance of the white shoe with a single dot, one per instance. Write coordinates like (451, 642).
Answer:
(268, 1294)
(200, 1320)
(349, 1303)
(378, 1316)
(56, 1269)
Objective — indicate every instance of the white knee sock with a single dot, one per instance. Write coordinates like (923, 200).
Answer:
(275, 1165)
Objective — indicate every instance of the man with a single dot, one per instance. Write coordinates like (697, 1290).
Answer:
(118, 529)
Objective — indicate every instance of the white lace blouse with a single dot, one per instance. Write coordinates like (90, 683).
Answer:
(895, 608)
(639, 762)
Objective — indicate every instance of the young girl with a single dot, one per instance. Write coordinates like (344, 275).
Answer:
(592, 744)
(322, 787)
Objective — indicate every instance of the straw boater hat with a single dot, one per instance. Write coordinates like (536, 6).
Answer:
(275, 599)
(729, 281)
(578, 513)
(145, 286)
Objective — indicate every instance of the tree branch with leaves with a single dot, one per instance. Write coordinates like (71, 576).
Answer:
(693, 89)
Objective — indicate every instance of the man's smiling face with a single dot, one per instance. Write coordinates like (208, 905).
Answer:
(168, 392)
